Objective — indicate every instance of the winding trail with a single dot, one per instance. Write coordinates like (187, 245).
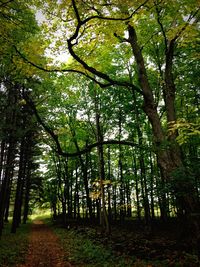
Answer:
(44, 249)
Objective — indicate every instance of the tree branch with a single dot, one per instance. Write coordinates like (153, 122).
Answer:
(114, 19)
(79, 152)
(102, 85)
(99, 74)
(186, 24)
(161, 25)
(46, 128)
(76, 11)
(92, 70)
(5, 3)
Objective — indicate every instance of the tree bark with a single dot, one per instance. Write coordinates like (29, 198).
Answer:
(169, 159)
(10, 138)
(149, 106)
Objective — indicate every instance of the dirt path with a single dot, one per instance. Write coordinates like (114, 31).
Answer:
(44, 249)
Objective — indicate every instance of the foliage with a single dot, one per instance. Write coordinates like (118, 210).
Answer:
(185, 129)
(100, 85)
(89, 247)
(14, 247)
(80, 250)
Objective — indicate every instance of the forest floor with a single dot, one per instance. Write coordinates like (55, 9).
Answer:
(43, 243)
(130, 244)
(44, 249)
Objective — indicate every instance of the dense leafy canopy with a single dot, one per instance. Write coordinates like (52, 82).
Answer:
(100, 110)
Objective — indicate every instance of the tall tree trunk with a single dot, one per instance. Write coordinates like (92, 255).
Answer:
(86, 185)
(104, 216)
(66, 191)
(144, 191)
(169, 159)
(152, 186)
(109, 193)
(149, 106)
(76, 196)
(121, 179)
(8, 202)
(6, 182)
(27, 191)
(10, 137)
(128, 199)
(85, 173)
(114, 198)
(2, 159)
(19, 190)
(136, 189)
(142, 162)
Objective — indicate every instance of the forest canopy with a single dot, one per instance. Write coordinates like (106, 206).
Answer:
(100, 110)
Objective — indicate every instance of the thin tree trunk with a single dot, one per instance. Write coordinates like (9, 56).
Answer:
(128, 197)
(27, 191)
(85, 174)
(137, 189)
(2, 159)
(152, 186)
(109, 193)
(104, 216)
(142, 163)
(19, 190)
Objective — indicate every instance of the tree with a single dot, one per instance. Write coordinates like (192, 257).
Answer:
(15, 16)
(140, 48)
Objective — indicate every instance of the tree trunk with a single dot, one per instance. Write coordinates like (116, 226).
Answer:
(169, 159)
(142, 163)
(76, 196)
(103, 215)
(6, 180)
(109, 193)
(136, 189)
(85, 174)
(19, 190)
(27, 191)
(121, 179)
(2, 159)
(128, 199)
(152, 186)
(10, 138)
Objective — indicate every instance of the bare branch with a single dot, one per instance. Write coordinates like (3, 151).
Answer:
(161, 25)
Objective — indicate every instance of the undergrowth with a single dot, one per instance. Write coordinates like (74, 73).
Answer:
(13, 247)
(81, 251)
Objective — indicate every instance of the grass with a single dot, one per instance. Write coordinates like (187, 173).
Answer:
(81, 251)
(13, 247)
(40, 214)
